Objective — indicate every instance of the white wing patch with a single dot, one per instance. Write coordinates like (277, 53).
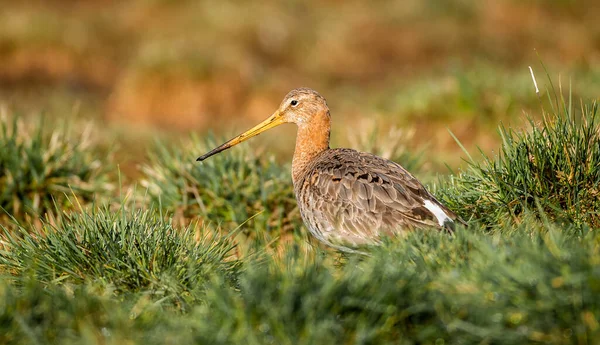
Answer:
(437, 211)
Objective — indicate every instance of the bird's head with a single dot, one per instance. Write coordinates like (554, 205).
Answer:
(300, 106)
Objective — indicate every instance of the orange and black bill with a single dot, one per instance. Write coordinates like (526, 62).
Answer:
(273, 121)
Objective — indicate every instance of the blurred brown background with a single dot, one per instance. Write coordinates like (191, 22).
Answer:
(167, 66)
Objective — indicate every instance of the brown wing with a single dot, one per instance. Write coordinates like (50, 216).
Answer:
(354, 197)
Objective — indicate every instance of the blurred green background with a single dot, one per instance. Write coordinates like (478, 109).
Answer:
(156, 68)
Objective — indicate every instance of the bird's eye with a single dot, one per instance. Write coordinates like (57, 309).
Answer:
(294, 103)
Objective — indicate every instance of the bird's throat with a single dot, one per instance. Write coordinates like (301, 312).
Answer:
(312, 139)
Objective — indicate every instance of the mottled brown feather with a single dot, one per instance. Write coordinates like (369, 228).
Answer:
(359, 197)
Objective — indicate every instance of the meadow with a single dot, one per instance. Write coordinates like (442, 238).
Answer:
(112, 233)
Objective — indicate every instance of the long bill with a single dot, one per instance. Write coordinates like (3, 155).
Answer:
(273, 121)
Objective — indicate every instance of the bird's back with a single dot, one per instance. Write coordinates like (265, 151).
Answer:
(349, 198)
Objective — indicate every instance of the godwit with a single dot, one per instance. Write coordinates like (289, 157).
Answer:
(347, 198)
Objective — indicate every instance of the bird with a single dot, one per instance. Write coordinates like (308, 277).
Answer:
(347, 199)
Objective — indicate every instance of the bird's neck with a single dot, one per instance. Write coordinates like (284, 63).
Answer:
(312, 139)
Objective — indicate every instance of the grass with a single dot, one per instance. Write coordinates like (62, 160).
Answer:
(230, 190)
(216, 252)
(40, 167)
(554, 168)
(165, 266)
(128, 250)
(535, 285)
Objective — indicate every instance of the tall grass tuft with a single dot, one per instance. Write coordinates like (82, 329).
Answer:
(131, 250)
(226, 189)
(554, 168)
(40, 167)
(536, 285)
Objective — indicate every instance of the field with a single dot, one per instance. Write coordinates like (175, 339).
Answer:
(112, 233)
